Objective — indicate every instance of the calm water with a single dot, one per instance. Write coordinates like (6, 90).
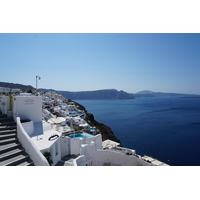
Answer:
(165, 128)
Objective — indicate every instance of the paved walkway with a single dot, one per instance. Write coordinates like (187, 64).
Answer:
(67, 160)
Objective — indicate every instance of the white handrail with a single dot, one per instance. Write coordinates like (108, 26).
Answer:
(30, 147)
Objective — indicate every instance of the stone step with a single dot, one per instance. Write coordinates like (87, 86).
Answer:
(11, 123)
(9, 147)
(28, 162)
(5, 132)
(11, 153)
(7, 141)
(16, 160)
(8, 135)
(2, 128)
(6, 119)
(3, 116)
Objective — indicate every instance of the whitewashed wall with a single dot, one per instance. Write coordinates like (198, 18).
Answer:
(5, 104)
(28, 107)
(75, 143)
(28, 127)
(55, 151)
(65, 150)
(29, 146)
(102, 157)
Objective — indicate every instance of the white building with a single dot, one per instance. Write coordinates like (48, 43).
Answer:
(15, 90)
(4, 90)
(8, 90)
(91, 156)
(38, 136)
(81, 122)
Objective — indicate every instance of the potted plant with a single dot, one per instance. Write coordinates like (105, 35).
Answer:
(47, 155)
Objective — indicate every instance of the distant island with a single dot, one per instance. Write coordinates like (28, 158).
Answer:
(24, 88)
(147, 93)
(115, 94)
(100, 94)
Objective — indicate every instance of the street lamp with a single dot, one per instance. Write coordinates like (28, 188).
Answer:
(37, 77)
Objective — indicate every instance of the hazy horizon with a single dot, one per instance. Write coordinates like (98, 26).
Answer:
(114, 89)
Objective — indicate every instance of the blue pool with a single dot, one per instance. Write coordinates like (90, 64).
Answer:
(82, 135)
(72, 115)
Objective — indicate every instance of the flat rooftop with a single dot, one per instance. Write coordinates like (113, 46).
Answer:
(41, 135)
(154, 161)
(109, 144)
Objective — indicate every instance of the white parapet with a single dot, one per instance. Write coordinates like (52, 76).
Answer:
(95, 157)
(43, 138)
(29, 146)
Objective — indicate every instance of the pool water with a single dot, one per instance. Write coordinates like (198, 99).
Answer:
(82, 135)
(72, 115)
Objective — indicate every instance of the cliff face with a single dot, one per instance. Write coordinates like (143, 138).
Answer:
(105, 131)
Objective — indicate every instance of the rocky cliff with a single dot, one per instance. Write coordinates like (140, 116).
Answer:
(105, 131)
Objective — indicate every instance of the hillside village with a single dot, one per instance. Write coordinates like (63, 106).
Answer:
(53, 130)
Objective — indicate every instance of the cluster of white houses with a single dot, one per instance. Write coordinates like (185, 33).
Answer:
(6, 90)
(46, 123)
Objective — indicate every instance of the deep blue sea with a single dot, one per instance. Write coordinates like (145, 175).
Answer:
(165, 128)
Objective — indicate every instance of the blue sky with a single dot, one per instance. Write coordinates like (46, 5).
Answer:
(82, 62)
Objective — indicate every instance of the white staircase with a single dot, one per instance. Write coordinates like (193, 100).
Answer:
(11, 151)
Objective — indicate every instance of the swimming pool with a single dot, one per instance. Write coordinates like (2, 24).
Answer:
(72, 115)
(82, 135)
